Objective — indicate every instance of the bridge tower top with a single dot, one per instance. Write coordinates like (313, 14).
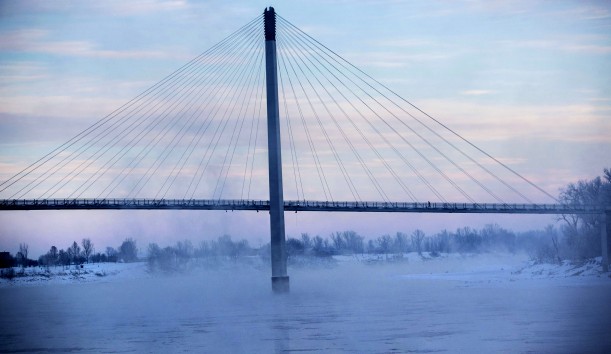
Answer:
(269, 16)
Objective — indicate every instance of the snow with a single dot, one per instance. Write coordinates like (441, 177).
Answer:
(451, 303)
(36, 276)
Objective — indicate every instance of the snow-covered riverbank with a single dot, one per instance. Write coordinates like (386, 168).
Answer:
(476, 267)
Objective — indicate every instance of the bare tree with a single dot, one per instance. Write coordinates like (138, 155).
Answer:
(338, 241)
(23, 254)
(581, 231)
(53, 255)
(417, 238)
(294, 247)
(549, 229)
(307, 241)
(128, 251)
(353, 242)
(111, 254)
(50, 258)
(400, 242)
(321, 246)
(87, 248)
(204, 250)
(63, 258)
(384, 243)
(74, 252)
(184, 249)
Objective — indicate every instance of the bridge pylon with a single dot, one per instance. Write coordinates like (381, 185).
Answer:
(280, 279)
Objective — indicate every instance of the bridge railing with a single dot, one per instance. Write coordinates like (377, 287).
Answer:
(134, 202)
(442, 206)
(297, 205)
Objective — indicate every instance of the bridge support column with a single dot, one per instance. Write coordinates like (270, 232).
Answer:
(605, 218)
(280, 279)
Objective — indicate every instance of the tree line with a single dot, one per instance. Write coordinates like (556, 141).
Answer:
(74, 254)
(490, 238)
(540, 245)
(207, 253)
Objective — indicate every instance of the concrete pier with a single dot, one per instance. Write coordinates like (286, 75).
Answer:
(280, 279)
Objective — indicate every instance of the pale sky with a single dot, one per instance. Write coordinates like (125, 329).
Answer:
(527, 81)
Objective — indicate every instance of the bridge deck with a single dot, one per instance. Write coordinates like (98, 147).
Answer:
(263, 205)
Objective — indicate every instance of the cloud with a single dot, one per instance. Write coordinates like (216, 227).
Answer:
(566, 44)
(36, 41)
(585, 13)
(21, 72)
(600, 99)
(477, 92)
(578, 10)
(58, 106)
(585, 122)
(141, 7)
(407, 42)
(395, 60)
(17, 40)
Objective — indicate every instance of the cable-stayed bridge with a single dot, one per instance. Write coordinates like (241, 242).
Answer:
(208, 137)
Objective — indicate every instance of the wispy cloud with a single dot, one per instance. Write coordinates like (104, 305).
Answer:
(567, 44)
(120, 7)
(395, 60)
(21, 72)
(585, 12)
(600, 99)
(405, 42)
(36, 41)
(477, 92)
(58, 106)
(489, 122)
(320, 30)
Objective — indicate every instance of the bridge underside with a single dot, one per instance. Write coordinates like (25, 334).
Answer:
(263, 205)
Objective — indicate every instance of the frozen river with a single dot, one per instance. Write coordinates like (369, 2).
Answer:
(350, 308)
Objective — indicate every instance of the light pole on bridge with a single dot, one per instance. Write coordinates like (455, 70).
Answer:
(280, 279)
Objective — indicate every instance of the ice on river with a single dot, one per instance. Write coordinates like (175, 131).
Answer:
(444, 305)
